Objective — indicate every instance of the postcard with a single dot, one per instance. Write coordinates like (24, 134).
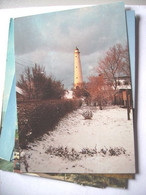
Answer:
(8, 122)
(99, 181)
(74, 96)
(71, 177)
(10, 68)
(7, 138)
(96, 180)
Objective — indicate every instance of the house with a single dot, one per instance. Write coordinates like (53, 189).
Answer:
(124, 91)
(20, 95)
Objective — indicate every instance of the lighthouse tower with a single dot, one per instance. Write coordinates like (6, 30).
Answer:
(78, 78)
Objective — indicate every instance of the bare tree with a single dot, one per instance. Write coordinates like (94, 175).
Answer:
(115, 64)
(126, 63)
(100, 91)
(82, 91)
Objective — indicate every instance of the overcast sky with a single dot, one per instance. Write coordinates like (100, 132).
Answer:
(50, 39)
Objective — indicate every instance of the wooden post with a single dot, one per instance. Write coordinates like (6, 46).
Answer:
(128, 105)
(124, 98)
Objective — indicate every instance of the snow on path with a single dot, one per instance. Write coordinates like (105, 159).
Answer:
(108, 128)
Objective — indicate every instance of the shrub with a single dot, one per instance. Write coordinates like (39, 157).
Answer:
(37, 118)
(87, 114)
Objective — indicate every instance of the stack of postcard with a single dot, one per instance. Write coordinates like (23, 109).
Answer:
(69, 97)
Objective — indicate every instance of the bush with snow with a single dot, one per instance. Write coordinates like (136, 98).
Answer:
(87, 114)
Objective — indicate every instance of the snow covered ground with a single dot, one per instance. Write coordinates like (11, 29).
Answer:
(109, 128)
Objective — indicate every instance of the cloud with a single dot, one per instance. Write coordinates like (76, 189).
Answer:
(50, 39)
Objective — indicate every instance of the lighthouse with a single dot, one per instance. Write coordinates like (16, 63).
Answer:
(78, 78)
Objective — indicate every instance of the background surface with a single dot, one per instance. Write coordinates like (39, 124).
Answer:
(12, 183)
(30, 3)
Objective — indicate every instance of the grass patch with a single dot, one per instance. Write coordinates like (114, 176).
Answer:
(73, 155)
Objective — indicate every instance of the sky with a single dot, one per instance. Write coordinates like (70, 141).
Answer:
(50, 39)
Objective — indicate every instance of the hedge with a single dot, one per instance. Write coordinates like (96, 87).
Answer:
(38, 118)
